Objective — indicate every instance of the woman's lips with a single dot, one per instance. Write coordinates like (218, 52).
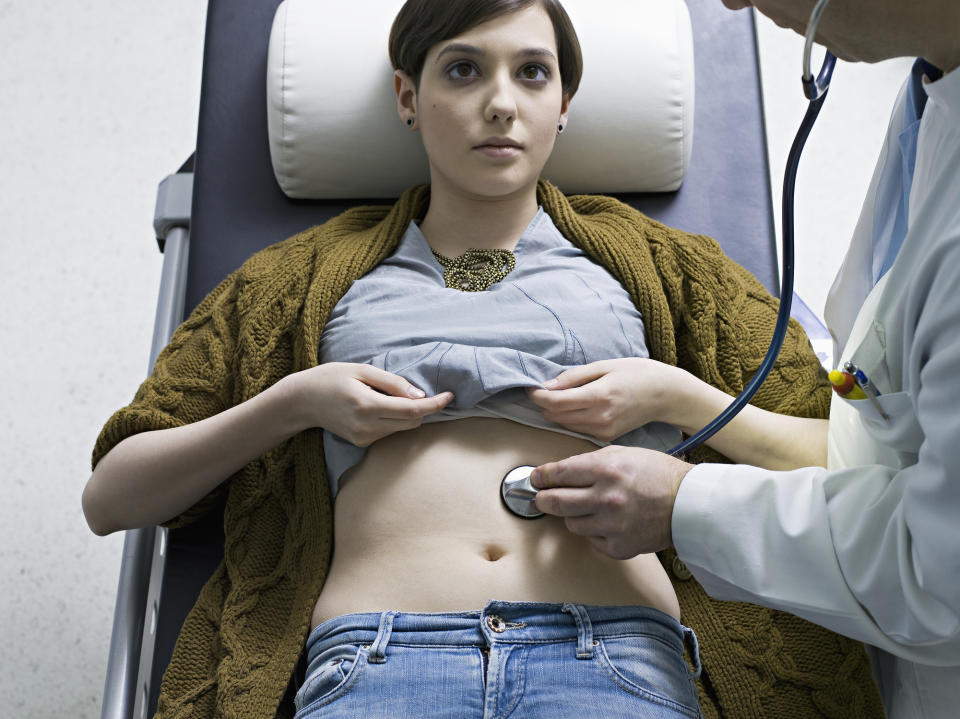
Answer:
(499, 150)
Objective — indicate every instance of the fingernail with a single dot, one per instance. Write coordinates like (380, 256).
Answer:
(551, 382)
(415, 392)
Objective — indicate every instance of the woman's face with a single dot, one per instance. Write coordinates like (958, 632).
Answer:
(488, 105)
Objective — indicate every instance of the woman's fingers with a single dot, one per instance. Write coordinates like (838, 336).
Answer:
(589, 386)
(387, 382)
(565, 400)
(408, 409)
(576, 376)
(399, 400)
(385, 415)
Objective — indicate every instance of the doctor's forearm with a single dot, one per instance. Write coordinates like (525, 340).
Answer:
(754, 436)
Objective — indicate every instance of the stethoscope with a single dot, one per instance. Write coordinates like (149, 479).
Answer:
(518, 494)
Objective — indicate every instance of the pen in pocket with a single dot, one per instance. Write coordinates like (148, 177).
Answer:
(864, 383)
(845, 385)
(858, 374)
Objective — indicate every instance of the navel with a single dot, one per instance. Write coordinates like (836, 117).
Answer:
(492, 552)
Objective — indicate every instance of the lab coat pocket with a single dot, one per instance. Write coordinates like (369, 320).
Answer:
(890, 419)
(897, 428)
(868, 411)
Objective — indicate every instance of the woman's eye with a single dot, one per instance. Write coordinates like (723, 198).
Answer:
(462, 71)
(534, 72)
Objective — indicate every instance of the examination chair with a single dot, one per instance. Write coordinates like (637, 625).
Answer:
(254, 181)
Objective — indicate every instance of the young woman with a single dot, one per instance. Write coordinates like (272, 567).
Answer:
(437, 601)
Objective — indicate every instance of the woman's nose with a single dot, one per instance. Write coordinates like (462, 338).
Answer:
(501, 104)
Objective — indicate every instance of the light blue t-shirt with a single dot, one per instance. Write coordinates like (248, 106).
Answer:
(555, 310)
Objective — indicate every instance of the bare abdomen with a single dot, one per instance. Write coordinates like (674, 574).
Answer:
(420, 527)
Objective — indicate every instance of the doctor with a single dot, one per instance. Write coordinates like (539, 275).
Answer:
(868, 546)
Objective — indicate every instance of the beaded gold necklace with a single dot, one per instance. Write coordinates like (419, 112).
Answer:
(475, 270)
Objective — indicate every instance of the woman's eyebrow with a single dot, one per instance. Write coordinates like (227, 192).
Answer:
(463, 48)
(536, 52)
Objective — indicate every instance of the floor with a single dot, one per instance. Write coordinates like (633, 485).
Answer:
(99, 104)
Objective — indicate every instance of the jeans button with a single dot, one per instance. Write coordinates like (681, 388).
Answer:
(496, 623)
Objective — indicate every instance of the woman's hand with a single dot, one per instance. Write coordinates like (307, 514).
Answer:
(360, 402)
(609, 398)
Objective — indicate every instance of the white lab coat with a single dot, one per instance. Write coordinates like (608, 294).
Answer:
(870, 546)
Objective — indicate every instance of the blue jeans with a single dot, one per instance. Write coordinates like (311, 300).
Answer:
(519, 659)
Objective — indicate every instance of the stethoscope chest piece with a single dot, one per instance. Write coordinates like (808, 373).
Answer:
(518, 494)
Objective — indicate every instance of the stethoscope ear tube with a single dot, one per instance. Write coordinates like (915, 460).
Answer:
(814, 89)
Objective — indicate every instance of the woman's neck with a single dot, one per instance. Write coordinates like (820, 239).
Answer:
(456, 222)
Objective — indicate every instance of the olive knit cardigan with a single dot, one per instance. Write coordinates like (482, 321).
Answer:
(240, 643)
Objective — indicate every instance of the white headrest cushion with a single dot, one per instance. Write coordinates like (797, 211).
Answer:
(335, 132)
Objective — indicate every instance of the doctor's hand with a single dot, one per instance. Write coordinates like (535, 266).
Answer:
(620, 498)
(609, 398)
(359, 402)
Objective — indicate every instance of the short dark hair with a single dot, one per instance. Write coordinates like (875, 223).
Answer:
(421, 24)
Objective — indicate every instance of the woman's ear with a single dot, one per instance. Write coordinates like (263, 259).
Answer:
(564, 108)
(406, 92)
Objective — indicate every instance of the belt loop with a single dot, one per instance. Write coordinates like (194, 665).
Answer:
(379, 648)
(694, 646)
(584, 630)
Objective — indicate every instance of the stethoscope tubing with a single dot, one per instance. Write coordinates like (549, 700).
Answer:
(786, 285)
(816, 92)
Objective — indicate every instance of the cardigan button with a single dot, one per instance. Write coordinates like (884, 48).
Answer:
(680, 570)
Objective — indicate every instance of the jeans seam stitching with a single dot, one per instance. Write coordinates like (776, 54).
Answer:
(521, 683)
(342, 689)
(631, 688)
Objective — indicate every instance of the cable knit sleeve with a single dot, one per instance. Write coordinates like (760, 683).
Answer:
(192, 379)
(799, 384)
(724, 319)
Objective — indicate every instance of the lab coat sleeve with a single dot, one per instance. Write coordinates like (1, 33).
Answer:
(752, 535)
(870, 552)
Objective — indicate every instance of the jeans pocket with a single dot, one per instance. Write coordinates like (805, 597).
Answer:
(652, 669)
(329, 675)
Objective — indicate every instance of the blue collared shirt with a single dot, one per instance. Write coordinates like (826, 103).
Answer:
(893, 207)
